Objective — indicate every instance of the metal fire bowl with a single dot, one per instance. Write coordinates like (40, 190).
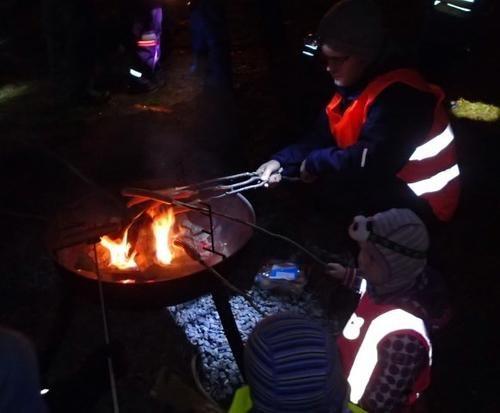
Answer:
(184, 280)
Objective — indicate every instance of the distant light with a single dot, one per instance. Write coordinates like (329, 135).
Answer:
(469, 1)
(308, 53)
(44, 391)
(458, 7)
(478, 111)
(135, 73)
(11, 91)
(437, 2)
(311, 46)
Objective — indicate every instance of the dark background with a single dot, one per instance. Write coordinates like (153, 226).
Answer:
(201, 135)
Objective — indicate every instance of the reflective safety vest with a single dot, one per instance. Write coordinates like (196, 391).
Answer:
(242, 403)
(431, 172)
(366, 328)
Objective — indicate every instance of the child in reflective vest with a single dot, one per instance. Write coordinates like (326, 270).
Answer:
(385, 350)
(292, 365)
(146, 50)
(385, 346)
(384, 139)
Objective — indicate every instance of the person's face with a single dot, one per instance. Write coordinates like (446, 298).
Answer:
(372, 264)
(345, 70)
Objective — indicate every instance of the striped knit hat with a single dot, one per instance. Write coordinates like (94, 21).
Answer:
(402, 239)
(292, 366)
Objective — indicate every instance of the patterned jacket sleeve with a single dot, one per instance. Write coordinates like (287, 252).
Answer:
(401, 357)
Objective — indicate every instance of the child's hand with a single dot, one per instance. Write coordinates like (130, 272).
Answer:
(335, 270)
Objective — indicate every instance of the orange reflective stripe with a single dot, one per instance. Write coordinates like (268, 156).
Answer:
(146, 43)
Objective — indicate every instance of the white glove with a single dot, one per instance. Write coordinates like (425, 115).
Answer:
(270, 172)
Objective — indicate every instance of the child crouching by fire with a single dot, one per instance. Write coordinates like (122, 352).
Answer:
(385, 347)
(384, 352)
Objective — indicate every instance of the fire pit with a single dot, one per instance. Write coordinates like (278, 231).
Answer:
(140, 263)
(163, 255)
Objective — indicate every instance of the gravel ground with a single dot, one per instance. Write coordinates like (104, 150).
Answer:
(200, 321)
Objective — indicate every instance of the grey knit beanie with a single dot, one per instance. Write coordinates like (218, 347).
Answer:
(292, 365)
(402, 239)
(353, 27)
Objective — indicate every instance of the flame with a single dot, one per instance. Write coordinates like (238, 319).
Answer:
(162, 229)
(119, 250)
(153, 244)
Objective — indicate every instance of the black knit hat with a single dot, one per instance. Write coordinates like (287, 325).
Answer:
(353, 27)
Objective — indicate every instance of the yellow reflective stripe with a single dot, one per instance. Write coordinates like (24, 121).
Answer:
(436, 182)
(434, 146)
(367, 356)
(242, 402)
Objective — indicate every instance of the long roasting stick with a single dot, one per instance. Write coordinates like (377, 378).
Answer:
(111, 371)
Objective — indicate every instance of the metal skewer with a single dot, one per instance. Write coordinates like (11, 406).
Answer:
(216, 188)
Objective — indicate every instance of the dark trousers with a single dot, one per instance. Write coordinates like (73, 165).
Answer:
(210, 38)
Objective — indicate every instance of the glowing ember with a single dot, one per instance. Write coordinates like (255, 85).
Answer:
(120, 256)
(162, 227)
(128, 281)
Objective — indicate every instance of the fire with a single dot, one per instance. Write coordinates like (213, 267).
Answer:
(162, 228)
(120, 256)
(153, 243)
